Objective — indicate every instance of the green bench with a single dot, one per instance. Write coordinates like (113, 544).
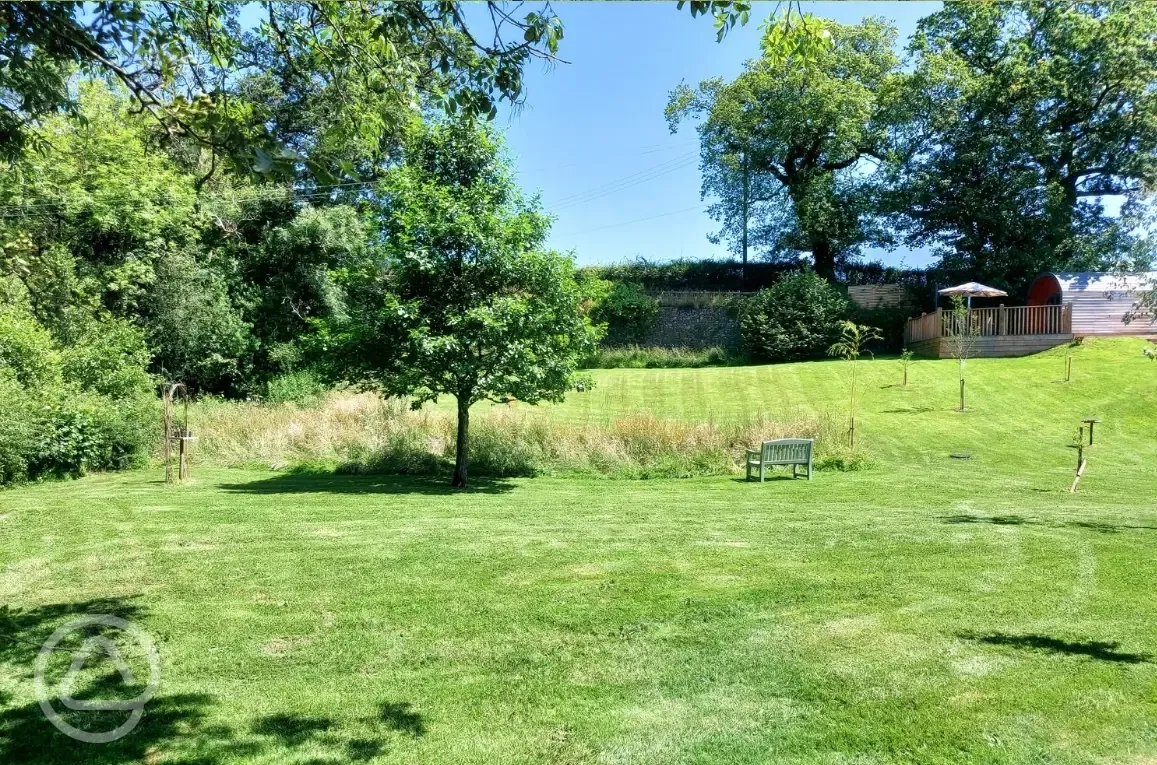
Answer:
(784, 451)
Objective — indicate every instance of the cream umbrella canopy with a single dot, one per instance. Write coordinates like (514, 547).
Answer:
(970, 289)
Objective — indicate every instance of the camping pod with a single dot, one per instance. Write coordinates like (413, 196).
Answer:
(1101, 303)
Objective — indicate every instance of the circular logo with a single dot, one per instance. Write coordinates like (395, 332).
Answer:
(94, 645)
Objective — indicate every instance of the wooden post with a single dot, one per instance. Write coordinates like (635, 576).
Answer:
(183, 470)
(962, 394)
(1081, 464)
(1002, 321)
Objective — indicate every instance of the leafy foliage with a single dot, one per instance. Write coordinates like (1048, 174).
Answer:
(780, 144)
(68, 409)
(798, 317)
(851, 345)
(463, 300)
(188, 67)
(627, 311)
(1018, 119)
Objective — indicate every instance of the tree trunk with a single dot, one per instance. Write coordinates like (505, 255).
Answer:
(462, 447)
(825, 259)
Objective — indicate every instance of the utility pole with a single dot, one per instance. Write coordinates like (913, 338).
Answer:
(746, 188)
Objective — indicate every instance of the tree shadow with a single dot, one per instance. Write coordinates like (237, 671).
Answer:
(176, 727)
(909, 410)
(1094, 649)
(312, 483)
(23, 631)
(1109, 528)
(997, 520)
(1016, 520)
(401, 718)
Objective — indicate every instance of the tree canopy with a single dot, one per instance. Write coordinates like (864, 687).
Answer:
(459, 299)
(781, 145)
(1021, 118)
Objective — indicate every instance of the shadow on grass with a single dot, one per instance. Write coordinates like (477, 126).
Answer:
(402, 718)
(782, 475)
(176, 727)
(1016, 520)
(23, 631)
(997, 520)
(909, 410)
(1094, 649)
(329, 483)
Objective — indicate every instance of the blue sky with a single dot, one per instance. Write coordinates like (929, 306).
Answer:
(598, 121)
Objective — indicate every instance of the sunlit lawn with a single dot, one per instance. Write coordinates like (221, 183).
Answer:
(929, 610)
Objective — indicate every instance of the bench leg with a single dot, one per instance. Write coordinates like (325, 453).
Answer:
(809, 468)
(794, 474)
(762, 472)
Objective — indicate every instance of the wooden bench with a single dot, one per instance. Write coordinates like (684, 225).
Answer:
(784, 451)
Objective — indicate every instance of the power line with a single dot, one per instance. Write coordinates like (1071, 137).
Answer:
(626, 182)
(636, 220)
(641, 151)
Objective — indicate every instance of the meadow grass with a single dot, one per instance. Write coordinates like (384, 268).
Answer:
(928, 610)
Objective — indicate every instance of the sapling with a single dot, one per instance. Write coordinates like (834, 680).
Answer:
(905, 360)
(961, 336)
(849, 347)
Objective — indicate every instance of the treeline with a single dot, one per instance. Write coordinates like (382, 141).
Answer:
(1004, 139)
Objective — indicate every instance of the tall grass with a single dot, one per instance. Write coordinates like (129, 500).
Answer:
(642, 357)
(363, 433)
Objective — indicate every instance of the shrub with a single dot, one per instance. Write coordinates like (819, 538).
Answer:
(628, 311)
(300, 387)
(889, 320)
(795, 318)
(66, 410)
(28, 351)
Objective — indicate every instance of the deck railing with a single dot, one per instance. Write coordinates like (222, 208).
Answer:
(1015, 320)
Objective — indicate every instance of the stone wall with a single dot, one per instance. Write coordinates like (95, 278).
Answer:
(689, 327)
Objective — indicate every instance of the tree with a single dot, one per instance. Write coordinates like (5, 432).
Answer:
(206, 74)
(1020, 118)
(462, 300)
(850, 347)
(216, 275)
(961, 335)
(783, 144)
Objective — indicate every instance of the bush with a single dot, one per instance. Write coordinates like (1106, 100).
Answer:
(890, 321)
(66, 410)
(636, 357)
(628, 311)
(795, 318)
(301, 387)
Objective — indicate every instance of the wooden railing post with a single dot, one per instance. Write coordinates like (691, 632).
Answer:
(1001, 318)
(939, 323)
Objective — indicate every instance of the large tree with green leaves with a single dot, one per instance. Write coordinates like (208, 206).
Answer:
(283, 87)
(783, 146)
(1021, 118)
(219, 276)
(460, 298)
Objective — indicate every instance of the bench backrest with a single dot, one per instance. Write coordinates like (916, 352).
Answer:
(787, 450)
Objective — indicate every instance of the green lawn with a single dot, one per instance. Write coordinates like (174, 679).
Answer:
(929, 610)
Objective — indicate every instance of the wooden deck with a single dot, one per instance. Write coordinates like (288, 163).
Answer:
(1015, 331)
